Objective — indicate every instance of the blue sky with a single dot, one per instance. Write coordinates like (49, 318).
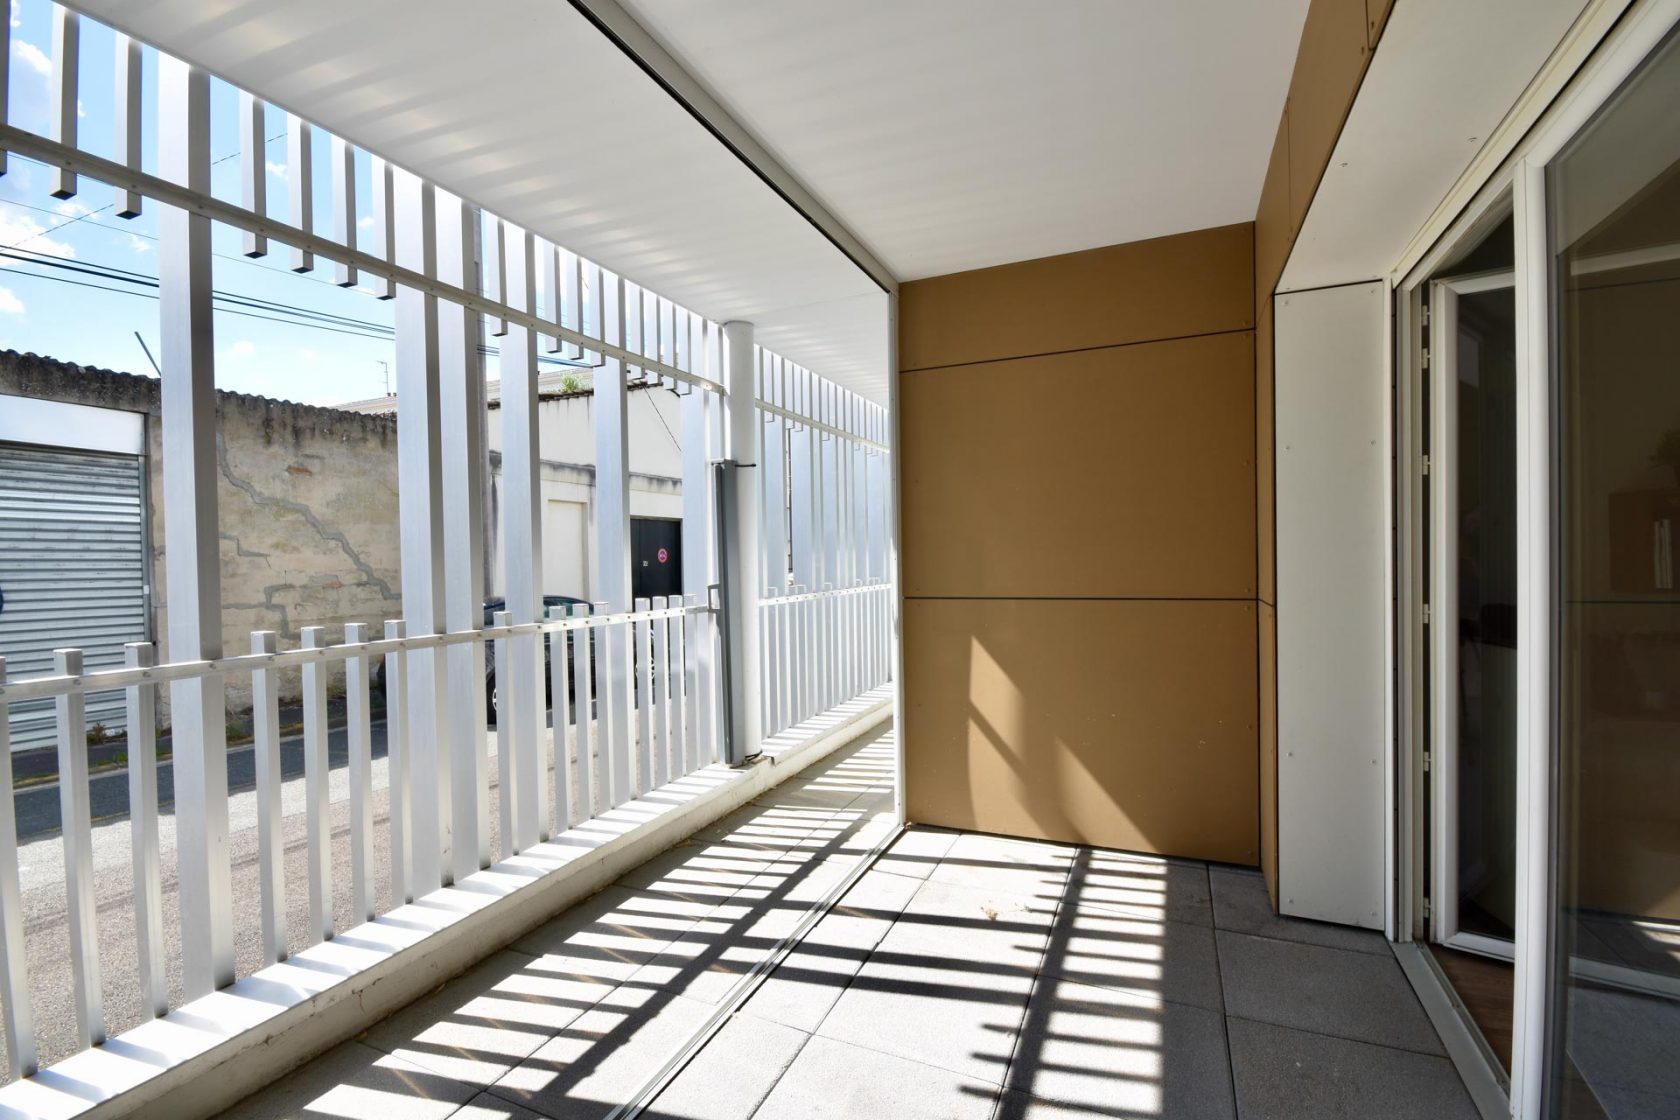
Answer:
(312, 362)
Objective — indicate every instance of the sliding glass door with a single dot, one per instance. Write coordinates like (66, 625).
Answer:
(1613, 229)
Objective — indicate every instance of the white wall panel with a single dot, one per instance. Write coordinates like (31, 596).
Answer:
(1332, 542)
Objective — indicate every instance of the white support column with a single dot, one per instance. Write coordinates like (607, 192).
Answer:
(520, 720)
(802, 448)
(420, 509)
(697, 560)
(198, 710)
(461, 443)
(612, 543)
(745, 574)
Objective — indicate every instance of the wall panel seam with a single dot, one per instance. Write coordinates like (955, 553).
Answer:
(1080, 349)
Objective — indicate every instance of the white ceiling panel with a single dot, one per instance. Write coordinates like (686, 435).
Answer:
(955, 134)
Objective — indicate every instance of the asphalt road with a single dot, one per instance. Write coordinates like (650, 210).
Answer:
(37, 806)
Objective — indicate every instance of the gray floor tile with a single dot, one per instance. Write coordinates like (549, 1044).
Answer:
(1024, 868)
(971, 928)
(1284, 1074)
(617, 928)
(606, 1054)
(1122, 1054)
(947, 1011)
(486, 1107)
(1240, 903)
(1328, 991)
(833, 1081)
(917, 852)
(485, 1022)
(730, 1078)
(356, 1082)
(1174, 960)
(1141, 886)
(808, 982)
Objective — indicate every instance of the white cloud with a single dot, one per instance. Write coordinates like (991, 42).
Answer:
(276, 169)
(31, 56)
(239, 351)
(139, 244)
(24, 232)
(309, 356)
(10, 304)
(80, 110)
(70, 208)
(16, 22)
(365, 222)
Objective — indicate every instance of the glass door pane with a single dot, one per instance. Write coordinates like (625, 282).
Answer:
(1614, 202)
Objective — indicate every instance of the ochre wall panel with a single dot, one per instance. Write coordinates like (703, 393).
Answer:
(1121, 724)
(1328, 69)
(1376, 18)
(1126, 471)
(1168, 287)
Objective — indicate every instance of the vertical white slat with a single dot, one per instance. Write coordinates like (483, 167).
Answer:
(271, 842)
(495, 267)
(300, 181)
(561, 266)
(6, 118)
(317, 807)
(125, 94)
(559, 675)
(384, 219)
(76, 820)
(548, 292)
(344, 207)
(14, 956)
(66, 75)
(659, 705)
(141, 720)
(507, 775)
(358, 733)
(784, 642)
(253, 169)
(397, 766)
(677, 670)
(465, 750)
(524, 709)
(421, 522)
(191, 534)
(571, 298)
(643, 661)
(612, 542)
(584, 643)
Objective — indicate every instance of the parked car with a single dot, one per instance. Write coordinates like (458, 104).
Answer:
(491, 697)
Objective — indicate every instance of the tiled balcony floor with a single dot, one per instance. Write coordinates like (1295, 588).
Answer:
(963, 976)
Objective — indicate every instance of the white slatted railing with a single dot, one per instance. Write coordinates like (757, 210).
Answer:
(669, 740)
(821, 648)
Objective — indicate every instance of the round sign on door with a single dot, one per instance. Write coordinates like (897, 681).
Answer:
(664, 555)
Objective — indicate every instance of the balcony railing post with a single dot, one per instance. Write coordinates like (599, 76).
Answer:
(318, 808)
(141, 718)
(77, 822)
(198, 711)
(14, 956)
(271, 843)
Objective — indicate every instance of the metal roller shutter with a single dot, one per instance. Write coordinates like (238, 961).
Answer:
(72, 570)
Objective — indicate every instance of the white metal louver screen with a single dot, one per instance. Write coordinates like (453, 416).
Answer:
(72, 571)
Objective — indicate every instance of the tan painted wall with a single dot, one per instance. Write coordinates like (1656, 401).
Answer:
(1079, 547)
(1337, 42)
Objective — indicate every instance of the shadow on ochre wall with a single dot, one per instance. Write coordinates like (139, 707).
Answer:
(1125, 724)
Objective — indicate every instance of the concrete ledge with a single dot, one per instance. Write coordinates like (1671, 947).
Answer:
(210, 1053)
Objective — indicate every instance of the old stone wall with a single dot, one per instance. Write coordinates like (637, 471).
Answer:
(307, 507)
